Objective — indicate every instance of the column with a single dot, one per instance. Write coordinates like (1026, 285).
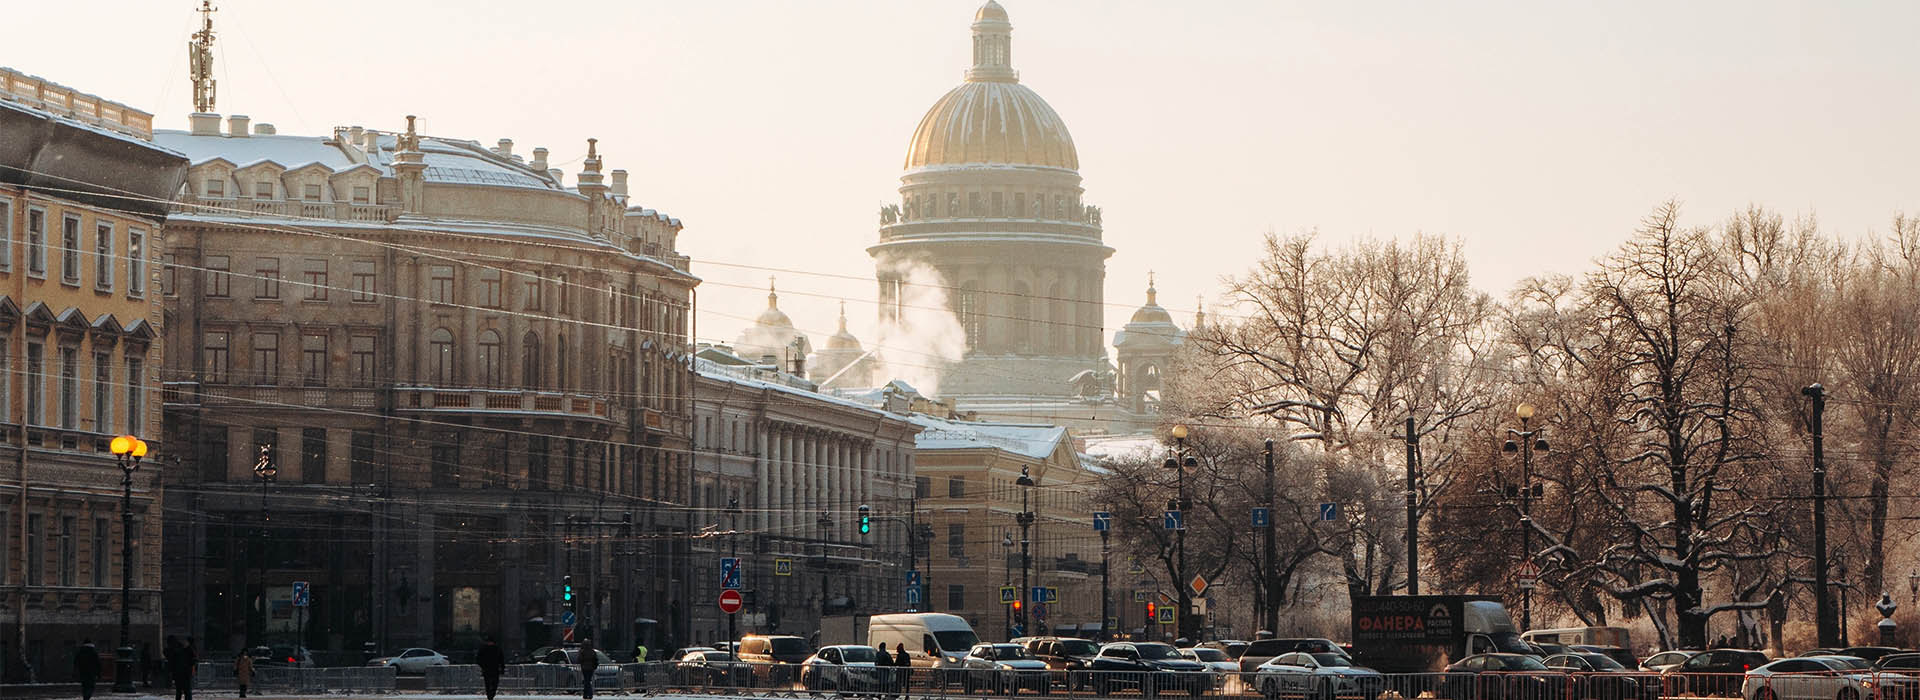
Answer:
(763, 472)
(789, 480)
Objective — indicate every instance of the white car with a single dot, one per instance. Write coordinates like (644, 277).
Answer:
(1004, 668)
(1809, 678)
(844, 669)
(1318, 676)
(412, 661)
(1217, 662)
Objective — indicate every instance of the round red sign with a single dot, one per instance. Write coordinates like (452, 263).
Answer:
(730, 601)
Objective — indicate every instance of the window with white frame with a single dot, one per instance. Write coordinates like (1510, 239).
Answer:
(136, 262)
(70, 249)
(103, 235)
(6, 234)
(70, 388)
(36, 241)
(102, 392)
(136, 392)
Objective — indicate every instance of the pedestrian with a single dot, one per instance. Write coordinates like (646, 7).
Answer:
(589, 662)
(86, 667)
(180, 663)
(640, 653)
(243, 671)
(492, 662)
(903, 667)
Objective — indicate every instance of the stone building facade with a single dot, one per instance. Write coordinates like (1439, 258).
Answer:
(471, 380)
(83, 192)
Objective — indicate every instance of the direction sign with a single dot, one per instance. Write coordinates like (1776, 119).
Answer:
(1198, 584)
(730, 572)
(1172, 520)
(1102, 521)
(913, 577)
(1008, 595)
(566, 618)
(730, 601)
(1037, 594)
(913, 595)
(1329, 512)
(1261, 518)
(783, 567)
(300, 594)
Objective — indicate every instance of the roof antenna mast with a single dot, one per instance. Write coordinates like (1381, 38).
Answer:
(200, 60)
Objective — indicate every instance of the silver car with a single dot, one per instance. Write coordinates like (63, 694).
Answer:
(1318, 676)
(1004, 668)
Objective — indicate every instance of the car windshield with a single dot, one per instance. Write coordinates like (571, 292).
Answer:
(1900, 661)
(785, 646)
(1515, 663)
(1078, 647)
(956, 641)
(857, 655)
(1331, 659)
(1005, 652)
(1208, 654)
(1844, 663)
(1602, 662)
(1157, 651)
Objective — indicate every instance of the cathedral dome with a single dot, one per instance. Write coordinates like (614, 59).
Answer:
(842, 339)
(991, 118)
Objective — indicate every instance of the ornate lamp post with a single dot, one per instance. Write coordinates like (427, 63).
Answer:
(733, 550)
(129, 451)
(1025, 519)
(1525, 441)
(265, 471)
(1006, 545)
(1180, 462)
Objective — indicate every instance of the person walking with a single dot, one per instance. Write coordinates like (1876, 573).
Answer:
(180, 663)
(492, 662)
(243, 670)
(903, 668)
(86, 668)
(589, 662)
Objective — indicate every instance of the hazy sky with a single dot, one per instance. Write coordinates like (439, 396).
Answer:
(1538, 133)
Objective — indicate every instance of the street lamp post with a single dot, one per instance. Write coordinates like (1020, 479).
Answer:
(1180, 462)
(1006, 545)
(264, 470)
(733, 551)
(1025, 519)
(1525, 441)
(826, 524)
(129, 450)
(1825, 628)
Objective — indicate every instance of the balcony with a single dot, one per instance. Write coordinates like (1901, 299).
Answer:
(275, 208)
(485, 401)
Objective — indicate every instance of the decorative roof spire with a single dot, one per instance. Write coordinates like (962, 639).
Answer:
(773, 299)
(200, 60)
(1199, 310)
(843, 317)
(992, 46)
(1151, 292)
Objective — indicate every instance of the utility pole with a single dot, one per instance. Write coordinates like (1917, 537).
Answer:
(1270, 575)
(1106, 597)
(1827, 628)
(1413, 506)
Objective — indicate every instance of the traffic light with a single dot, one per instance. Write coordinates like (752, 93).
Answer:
(1152, 610)
(1016, 605)
(866, 520)
(566, 590)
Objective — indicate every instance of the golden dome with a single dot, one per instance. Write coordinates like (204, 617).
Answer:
(992, 122)
(990, 11)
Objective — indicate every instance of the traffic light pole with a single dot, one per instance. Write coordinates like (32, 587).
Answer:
(593, 564)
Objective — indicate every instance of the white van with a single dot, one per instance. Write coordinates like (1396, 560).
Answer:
(935, 640)
(1596, 636)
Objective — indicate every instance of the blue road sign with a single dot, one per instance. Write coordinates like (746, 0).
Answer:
(730, 573)
(1009, 594)
(1261, 518)
(1037, 594)
(913, 595)
(1053, 595)
(1102, 521)
(1172, 520)
(300, 595)
(1329, 512)
(913, 578)
(566, 618)
(783, 567)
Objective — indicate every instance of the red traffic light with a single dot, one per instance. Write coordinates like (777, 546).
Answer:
(1016, 605)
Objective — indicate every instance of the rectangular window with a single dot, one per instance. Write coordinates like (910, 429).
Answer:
(922, 487)
(136, 394)
(956, 596)
(267, 272)
(315, 275)
(313, 455)
(36, 383)
(169, 276)
(266, 357)
(6, 392)
(102, 392)
(214, 188)
(70, 249)
(362, 194)
(361, 350)
(956, 487)
(1020, 204)
(362, 456)
(534, 285)
(445, 456)
(69, 550)
(102, 534)
(214, 457)
(263, 189)
(566, 293)
(217, 277)
(36, 241)
(313, 359)
(363, 281)
(956, 540)
(136, 262)
(70, 388)
(103, 235)
(440, 284)
(490, 287)
(999, 204)
(216, 353)
(6, 245)
(537, 462)
(310, 193)
(36, 550)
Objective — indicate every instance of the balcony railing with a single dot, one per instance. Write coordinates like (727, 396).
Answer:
(502, 400)
(276, 208)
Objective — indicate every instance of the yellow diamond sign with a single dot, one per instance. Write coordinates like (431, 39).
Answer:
(1198, 584)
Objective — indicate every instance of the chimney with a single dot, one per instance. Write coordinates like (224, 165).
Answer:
(264, 129)
(340, 134)
(505, 149)
(355, 134)
(203, 124)
(237, 126)
(556, 174)
(372, 142)
(620, 183)
(539, 159)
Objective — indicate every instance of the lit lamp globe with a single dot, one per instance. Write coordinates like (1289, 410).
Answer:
(1180, 431)
(1524, 411)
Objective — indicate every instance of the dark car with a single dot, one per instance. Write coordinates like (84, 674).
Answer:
(1602, 677)
(1661, 662)
(775, 658)
(1233, 647)
(1714, 672)
(1261, 651)
(1148, 666)
(1621, 656)
(1546, 649)
(1898, 676)
(709, 667)
(1504, 677)
(1869, 653)
(1067, 657)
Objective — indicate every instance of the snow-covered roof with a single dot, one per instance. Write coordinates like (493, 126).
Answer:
(1028, 440)
(1125, 446)
(711, 370)
(289, 151)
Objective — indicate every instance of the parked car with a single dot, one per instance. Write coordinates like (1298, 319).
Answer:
(282, 655)
(709, 667)
(413, 661)
(1502, 676)
(1233, 647)
(843, 669)
(1665, 660)
(1620, 656)
(1904, 662)
(1869, 653)
(1148, 666)
(1217, 662)
(1808, 678)
(1546, 649)
(607, 674)
(1317, 676)
(1067, 657)
(1261, 651)
(775, 658)
(1003, 668)
(1601, 677)
(1714, 672)
(1898, 676)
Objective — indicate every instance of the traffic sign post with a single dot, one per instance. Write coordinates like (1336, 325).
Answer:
(783, 567)
(730, 601)
(1262, 518)
(1329, 512)
(913, 595)
(1172, 520)
(1009, 595)
(301, 598)
(1526, 576)
(730, 573)
(1102, 521)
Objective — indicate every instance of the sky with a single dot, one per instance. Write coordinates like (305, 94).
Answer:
(1537, 134)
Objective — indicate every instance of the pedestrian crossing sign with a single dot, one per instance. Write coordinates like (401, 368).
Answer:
(783, 567)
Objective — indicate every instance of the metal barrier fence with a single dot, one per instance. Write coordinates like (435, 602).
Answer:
(346, 679)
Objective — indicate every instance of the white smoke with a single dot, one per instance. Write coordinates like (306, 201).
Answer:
(924, 338)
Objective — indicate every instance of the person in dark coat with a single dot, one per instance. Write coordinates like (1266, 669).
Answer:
(492, 662)
(86, 668)
(589, 662)
(904, 670)
(180, 663)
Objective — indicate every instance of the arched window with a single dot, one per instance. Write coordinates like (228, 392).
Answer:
(969, 304)
(530, 361)
(487, 362)
(440, 357)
